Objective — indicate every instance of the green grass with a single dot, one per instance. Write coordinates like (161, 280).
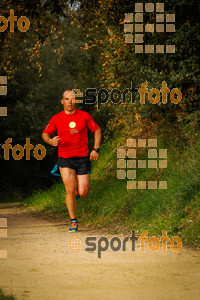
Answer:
(109, 203)
(4, 297)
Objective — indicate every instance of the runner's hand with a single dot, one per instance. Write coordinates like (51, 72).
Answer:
(54, 141)
(94, 155)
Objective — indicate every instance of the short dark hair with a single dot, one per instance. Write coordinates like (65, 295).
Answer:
(68, 90)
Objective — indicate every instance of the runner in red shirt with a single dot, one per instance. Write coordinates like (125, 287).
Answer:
(73, 154)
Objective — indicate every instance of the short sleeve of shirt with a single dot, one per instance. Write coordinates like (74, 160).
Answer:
(91, 124)
(51, 127)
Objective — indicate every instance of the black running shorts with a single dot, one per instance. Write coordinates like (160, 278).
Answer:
(81, 165)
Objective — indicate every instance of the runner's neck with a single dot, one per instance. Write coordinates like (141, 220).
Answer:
(70, 112)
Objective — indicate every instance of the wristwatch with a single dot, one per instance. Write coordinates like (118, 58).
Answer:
(96, 149)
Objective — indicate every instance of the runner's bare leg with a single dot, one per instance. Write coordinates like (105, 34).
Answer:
(83, 183)
(74, 183)
(69, 179)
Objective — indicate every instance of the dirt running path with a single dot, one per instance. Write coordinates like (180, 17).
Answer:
(41, 265)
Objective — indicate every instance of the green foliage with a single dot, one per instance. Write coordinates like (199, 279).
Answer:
(40, 64)
(83, 46)
(121, 66)
(176, 209)
(5, 297)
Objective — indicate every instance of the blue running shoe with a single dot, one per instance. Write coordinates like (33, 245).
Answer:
(74, 226)
(77, 196)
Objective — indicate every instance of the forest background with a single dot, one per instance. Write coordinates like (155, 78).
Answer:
(80, 45)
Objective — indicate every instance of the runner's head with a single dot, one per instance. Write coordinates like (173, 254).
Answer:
(68, 101)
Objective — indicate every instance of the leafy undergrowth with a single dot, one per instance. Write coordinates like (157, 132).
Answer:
(109, 203)
(5, 297)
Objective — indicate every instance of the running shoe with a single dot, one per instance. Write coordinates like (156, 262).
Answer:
(74, 226)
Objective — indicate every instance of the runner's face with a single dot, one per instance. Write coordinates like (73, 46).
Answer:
(68, 101)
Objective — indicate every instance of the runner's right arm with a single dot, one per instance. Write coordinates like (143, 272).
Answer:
(48, 131)
(53, 142)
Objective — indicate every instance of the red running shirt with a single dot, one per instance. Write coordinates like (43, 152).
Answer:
(72, 130)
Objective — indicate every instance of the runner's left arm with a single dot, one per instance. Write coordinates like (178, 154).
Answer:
(97, 141)
(94, 127)
(97, 138)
